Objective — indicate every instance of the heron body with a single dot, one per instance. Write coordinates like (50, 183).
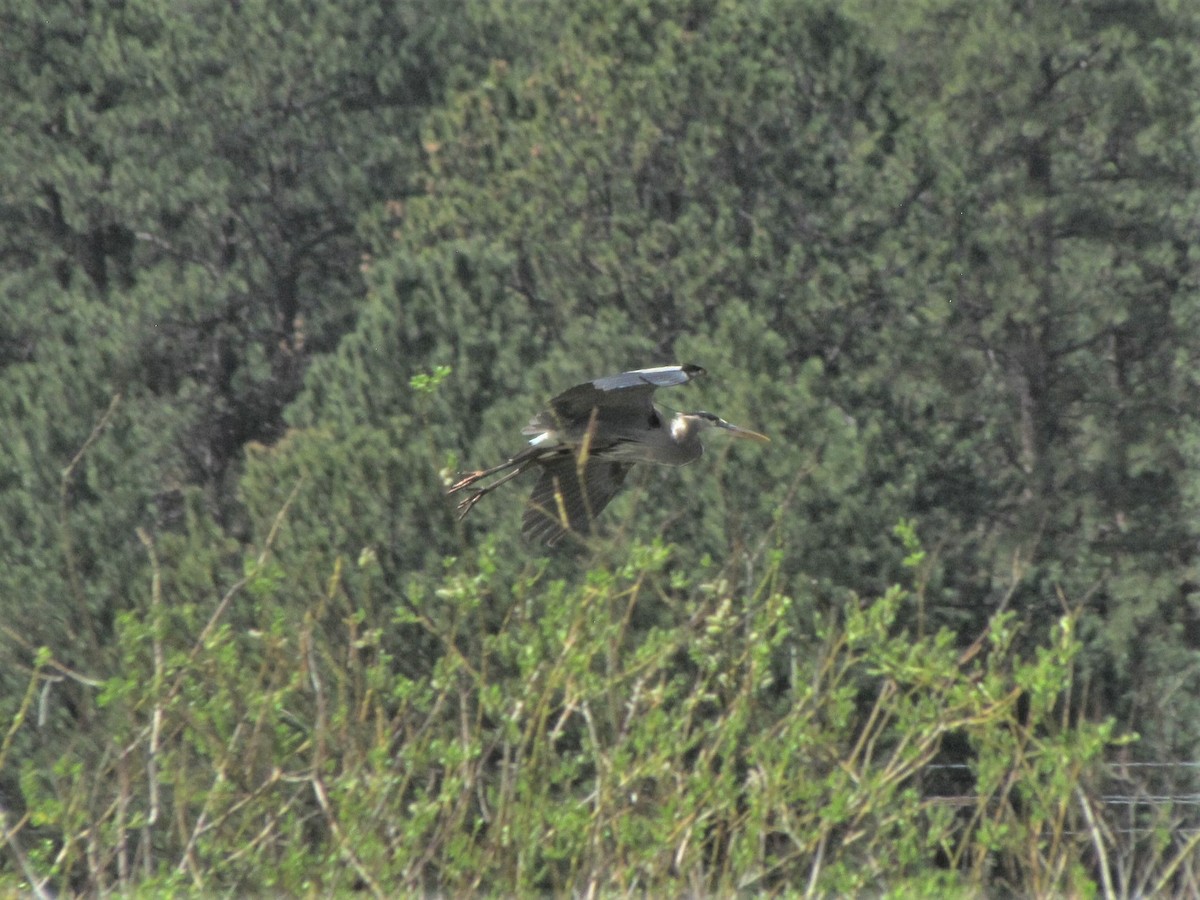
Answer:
(586, 443)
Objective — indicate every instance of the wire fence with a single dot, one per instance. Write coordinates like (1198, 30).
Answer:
(1141, 798)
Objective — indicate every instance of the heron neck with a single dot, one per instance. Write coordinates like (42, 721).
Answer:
(682, 428)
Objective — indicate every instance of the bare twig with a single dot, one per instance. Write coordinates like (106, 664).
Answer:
(1097, 842)
(156, 629)
(67, 671)
(331, 821)
(36, 885)
(233, 591)
(64, 486)
(1182, 857)
(18, 718)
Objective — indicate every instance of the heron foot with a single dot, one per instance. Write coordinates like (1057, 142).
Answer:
(466, 481)
(477, 493)
(466, 504)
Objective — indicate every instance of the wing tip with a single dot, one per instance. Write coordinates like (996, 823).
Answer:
(654, 376)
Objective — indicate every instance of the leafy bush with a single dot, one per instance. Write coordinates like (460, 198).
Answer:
(643, 729)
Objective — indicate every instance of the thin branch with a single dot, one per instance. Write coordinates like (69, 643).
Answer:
(234, 589)
(172, 250)
(63, 488)
(36, 885)
(18, 719)
(331, 821)
(156, 626)
(1183, 856)
(66, 671)
(1098, 843)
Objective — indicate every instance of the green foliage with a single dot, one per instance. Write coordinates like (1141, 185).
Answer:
(1053, 396)
(177, 236)
(272, 273)
(428, 383)
(741, 743)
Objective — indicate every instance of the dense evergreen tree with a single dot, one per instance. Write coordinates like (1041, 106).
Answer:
(641, 194)
(271, 273)
(954, 282)
(1053, 249)
(177, 239)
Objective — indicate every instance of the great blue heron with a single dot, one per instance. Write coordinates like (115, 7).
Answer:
(587, 442)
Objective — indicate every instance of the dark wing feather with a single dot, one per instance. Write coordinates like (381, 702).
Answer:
(628, 392)
(558, 492)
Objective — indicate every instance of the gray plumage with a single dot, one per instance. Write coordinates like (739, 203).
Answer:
(587, 441)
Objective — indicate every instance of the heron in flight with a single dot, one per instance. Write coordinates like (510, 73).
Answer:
(586, 443)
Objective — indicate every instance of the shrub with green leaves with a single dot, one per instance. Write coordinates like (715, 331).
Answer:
(643, 729)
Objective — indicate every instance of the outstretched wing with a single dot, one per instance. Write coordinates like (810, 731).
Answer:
(561, 504)
(627, 394)
(660, 376)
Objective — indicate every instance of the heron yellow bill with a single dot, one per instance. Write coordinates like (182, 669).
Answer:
(745, 433)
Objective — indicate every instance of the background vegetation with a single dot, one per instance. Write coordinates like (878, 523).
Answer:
(272, 271)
